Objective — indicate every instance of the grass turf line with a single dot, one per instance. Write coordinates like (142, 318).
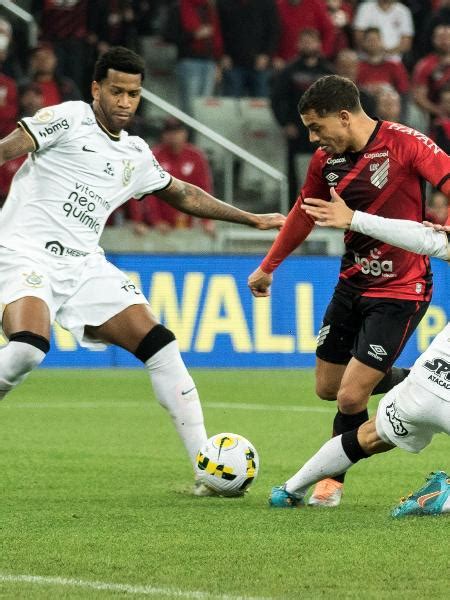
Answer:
(98, 491)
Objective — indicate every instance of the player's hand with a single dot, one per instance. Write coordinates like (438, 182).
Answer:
(270, 221)
(259, 283)
(437, 227)
(329, 214)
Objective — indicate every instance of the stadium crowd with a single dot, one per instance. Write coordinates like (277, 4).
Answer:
(398, 53)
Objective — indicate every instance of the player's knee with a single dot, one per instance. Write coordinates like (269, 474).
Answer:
(350, 400)
(157, 338)
(325, 390)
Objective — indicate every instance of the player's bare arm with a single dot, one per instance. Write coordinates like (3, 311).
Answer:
(17, 143)
(194, 201)
(329, 214)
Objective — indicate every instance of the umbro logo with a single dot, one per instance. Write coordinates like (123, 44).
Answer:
(86, 149)
(377, 351)
(331, 177)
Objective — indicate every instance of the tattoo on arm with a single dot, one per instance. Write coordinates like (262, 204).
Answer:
(194, 201)
(17, 143)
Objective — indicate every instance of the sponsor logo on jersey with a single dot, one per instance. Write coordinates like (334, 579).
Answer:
(394, 419)
(373, 265)
(331, 177)
(158, 167)
(377, 351)
(440, 372)
(81, 204)
(54, 127)
(57, 248)
(128, 169)
(417, 134)
(380, 177)
(384, 154)
(135, 146)
(44, 115)
(336, 161)
(88, 121)
(33, 279)
(109, 169)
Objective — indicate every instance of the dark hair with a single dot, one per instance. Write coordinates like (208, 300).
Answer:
(330, 94)
(120, 59)
(370, 30)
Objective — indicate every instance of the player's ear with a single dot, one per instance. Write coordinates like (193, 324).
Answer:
(344, 115)
(95, 90)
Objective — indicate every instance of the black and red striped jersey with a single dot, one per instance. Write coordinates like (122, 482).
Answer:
(387, 177)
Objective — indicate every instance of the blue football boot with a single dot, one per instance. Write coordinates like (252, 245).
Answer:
(429, 500)
(280, 498)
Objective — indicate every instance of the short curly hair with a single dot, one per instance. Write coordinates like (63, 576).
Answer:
(120, 59)
(330, 94)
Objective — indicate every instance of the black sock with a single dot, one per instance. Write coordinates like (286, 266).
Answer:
(345, 423)
(390, 380)
(352, 447)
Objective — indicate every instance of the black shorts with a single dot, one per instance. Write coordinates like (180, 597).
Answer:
(373, 330)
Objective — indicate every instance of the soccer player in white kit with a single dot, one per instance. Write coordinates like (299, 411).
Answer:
(413, 411)
(81, 166)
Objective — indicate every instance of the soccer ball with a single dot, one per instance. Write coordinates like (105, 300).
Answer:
(227, 463)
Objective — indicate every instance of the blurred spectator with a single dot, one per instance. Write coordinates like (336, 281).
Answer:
(288, 87)
(9, 65)
(437, 208)
(341, 14)
(8, 104)
(376, 70)
(440, 131)
(441, 16)
(432, 73)
(296, 15)
(183, 160)
(42, 71)
(30, 101)
(347, 65)
(250, 30)
(388, 104)
(69, 27)
(392, 18)
(115, 25)
(200, 46)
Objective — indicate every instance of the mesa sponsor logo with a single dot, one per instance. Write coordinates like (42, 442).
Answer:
(336, 161)
(54, 127)
(377, 154)
(373, 265)
(417, 134)
(57, 248)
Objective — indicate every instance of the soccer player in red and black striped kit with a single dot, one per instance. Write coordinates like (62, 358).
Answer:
(383, 292)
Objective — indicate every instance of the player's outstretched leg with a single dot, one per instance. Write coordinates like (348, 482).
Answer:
(24, 352)
(431, 499)
(336, 456)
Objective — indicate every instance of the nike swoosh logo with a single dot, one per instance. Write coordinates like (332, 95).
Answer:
(423, 499)
(187, 391)
(86, 149)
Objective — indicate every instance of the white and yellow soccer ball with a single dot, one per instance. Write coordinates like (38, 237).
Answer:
(227, 463)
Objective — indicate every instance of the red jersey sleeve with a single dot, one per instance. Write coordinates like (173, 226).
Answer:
(431, 162)
(298, 224)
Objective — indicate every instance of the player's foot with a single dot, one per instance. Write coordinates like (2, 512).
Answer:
(280, 498)
(327, 492)
(201, 489)
(429, 500)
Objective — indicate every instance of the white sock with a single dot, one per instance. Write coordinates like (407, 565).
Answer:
(17, 360)
(175, 390)
(330, 460)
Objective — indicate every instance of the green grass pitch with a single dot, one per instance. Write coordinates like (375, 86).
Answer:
(95, 488)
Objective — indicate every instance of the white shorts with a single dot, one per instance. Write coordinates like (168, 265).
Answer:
(409, 415)
(80, 291)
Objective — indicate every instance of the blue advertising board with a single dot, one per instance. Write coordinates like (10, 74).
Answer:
(206, 302)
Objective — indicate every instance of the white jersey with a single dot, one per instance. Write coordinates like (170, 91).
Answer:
(61, 197)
